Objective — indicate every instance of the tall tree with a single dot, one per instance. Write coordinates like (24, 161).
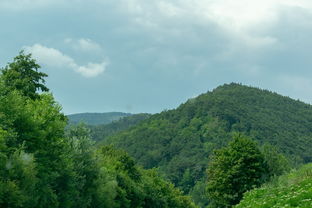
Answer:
(23, 75)
(234, 170)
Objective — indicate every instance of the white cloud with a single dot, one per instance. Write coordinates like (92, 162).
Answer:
(246, 21)
(238, 14)
(243, 20)
(55, 58)
(88, 45)
(92, 69)
(83, 44)
(50, 56)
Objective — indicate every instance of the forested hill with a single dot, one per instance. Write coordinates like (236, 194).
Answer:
(96, 118)
(44, 162)
(100, 132)
(180, 141)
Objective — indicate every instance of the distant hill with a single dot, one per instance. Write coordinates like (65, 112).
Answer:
(101, 132)
(96, 118)
(180, 141)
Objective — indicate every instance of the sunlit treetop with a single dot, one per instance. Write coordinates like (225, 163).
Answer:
(23, 75)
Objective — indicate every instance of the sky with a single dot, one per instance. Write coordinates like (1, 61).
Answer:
(148, 56)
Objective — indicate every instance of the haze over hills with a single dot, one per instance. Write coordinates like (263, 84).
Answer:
(179, 142)
(101, 132)
(96, 118)
(103, 125)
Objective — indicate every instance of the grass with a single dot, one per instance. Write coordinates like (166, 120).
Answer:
(291, 190)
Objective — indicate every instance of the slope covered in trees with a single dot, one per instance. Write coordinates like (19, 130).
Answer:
(96, 118)
(101, 132)
(42, 165)
(179, 142)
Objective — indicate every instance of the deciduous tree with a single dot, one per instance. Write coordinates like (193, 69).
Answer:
(234, 170)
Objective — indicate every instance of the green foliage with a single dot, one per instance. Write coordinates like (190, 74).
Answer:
(22, 75)
(276, 162)
(42, 165)
(234, 170)
(199, 193)
(17, 176)
(127, 185)
(101, 132)
(291, 190)
(84, 165)
(181, 140)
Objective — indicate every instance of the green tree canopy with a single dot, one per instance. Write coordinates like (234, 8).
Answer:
(42, 165)
(23, 75)
(234, 170)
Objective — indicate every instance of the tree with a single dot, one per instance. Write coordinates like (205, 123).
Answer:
(17, 176)
(276, 162)
(23, 75)
(81, 149)
(234, 170)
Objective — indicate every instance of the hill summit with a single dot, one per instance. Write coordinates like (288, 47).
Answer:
(180, 141)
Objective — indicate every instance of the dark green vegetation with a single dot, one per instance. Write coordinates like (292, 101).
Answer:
(96, 118)
(101, 132)
(180, 142)
(291, 190)
(234, 169)
(42, 165)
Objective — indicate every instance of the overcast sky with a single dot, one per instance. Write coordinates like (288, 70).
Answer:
(151, 55)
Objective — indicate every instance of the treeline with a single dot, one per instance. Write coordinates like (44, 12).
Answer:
(93, 119)
(101, 132)
(42, 165)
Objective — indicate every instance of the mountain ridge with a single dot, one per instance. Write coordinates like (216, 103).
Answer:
(179, 142)
(96, 118)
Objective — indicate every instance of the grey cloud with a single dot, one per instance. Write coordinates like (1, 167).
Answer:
(162, 52)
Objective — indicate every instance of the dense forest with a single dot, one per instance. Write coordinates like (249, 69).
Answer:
(42, 165)
(233, 146)
(101, 132)
(180, 142)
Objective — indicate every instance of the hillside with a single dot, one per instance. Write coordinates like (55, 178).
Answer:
(291, 190)
(180, 141)
(101, 132)
(96, 118)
